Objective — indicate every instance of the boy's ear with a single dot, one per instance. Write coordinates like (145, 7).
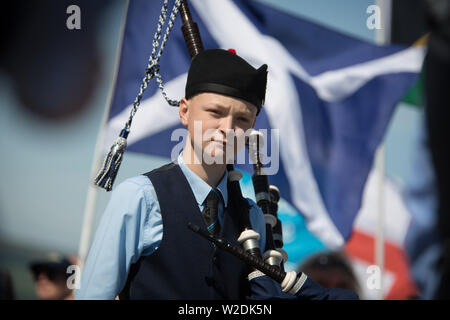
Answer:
(183, 111)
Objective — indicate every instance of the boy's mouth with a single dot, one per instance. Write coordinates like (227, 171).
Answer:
(223, 142)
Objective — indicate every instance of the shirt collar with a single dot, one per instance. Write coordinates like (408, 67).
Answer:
(199, 187)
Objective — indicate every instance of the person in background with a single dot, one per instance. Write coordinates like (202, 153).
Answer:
(331, 270)
(50, 277)
(437, 95)
(6, 286)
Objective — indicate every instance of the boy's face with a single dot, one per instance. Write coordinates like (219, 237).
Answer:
(51, 286)
(223, 121)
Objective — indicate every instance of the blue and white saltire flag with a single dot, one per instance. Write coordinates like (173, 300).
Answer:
(331, 97)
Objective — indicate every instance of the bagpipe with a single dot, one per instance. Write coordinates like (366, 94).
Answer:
(267, 197)
(271, 262)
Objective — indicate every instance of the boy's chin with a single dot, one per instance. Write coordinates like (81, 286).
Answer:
(217, 156)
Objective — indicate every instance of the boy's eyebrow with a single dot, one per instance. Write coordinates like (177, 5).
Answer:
(220, 106)
(214, 104)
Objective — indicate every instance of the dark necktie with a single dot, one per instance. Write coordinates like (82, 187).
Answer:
(210, 212)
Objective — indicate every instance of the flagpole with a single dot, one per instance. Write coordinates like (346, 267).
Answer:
(382, 37)
(379, 235)
(92, 193)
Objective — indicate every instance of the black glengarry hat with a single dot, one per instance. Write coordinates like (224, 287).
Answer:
(224, 72)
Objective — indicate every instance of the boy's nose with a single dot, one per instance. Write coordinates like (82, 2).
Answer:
(227, 123)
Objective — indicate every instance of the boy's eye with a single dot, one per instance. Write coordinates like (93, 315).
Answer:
(214, 111)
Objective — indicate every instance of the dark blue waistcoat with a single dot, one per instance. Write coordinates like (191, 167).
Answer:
(186, 266)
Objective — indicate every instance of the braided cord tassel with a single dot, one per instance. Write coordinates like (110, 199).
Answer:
(173, 14)
(111, 164)
(107, 174)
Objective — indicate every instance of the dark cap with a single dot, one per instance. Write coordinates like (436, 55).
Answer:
(224, 72)
(53, 267)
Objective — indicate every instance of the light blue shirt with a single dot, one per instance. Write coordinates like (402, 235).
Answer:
(131, 227)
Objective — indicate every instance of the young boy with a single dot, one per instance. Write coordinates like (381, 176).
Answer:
(143, 248)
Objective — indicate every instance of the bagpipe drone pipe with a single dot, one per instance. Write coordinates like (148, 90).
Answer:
(271, 263)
